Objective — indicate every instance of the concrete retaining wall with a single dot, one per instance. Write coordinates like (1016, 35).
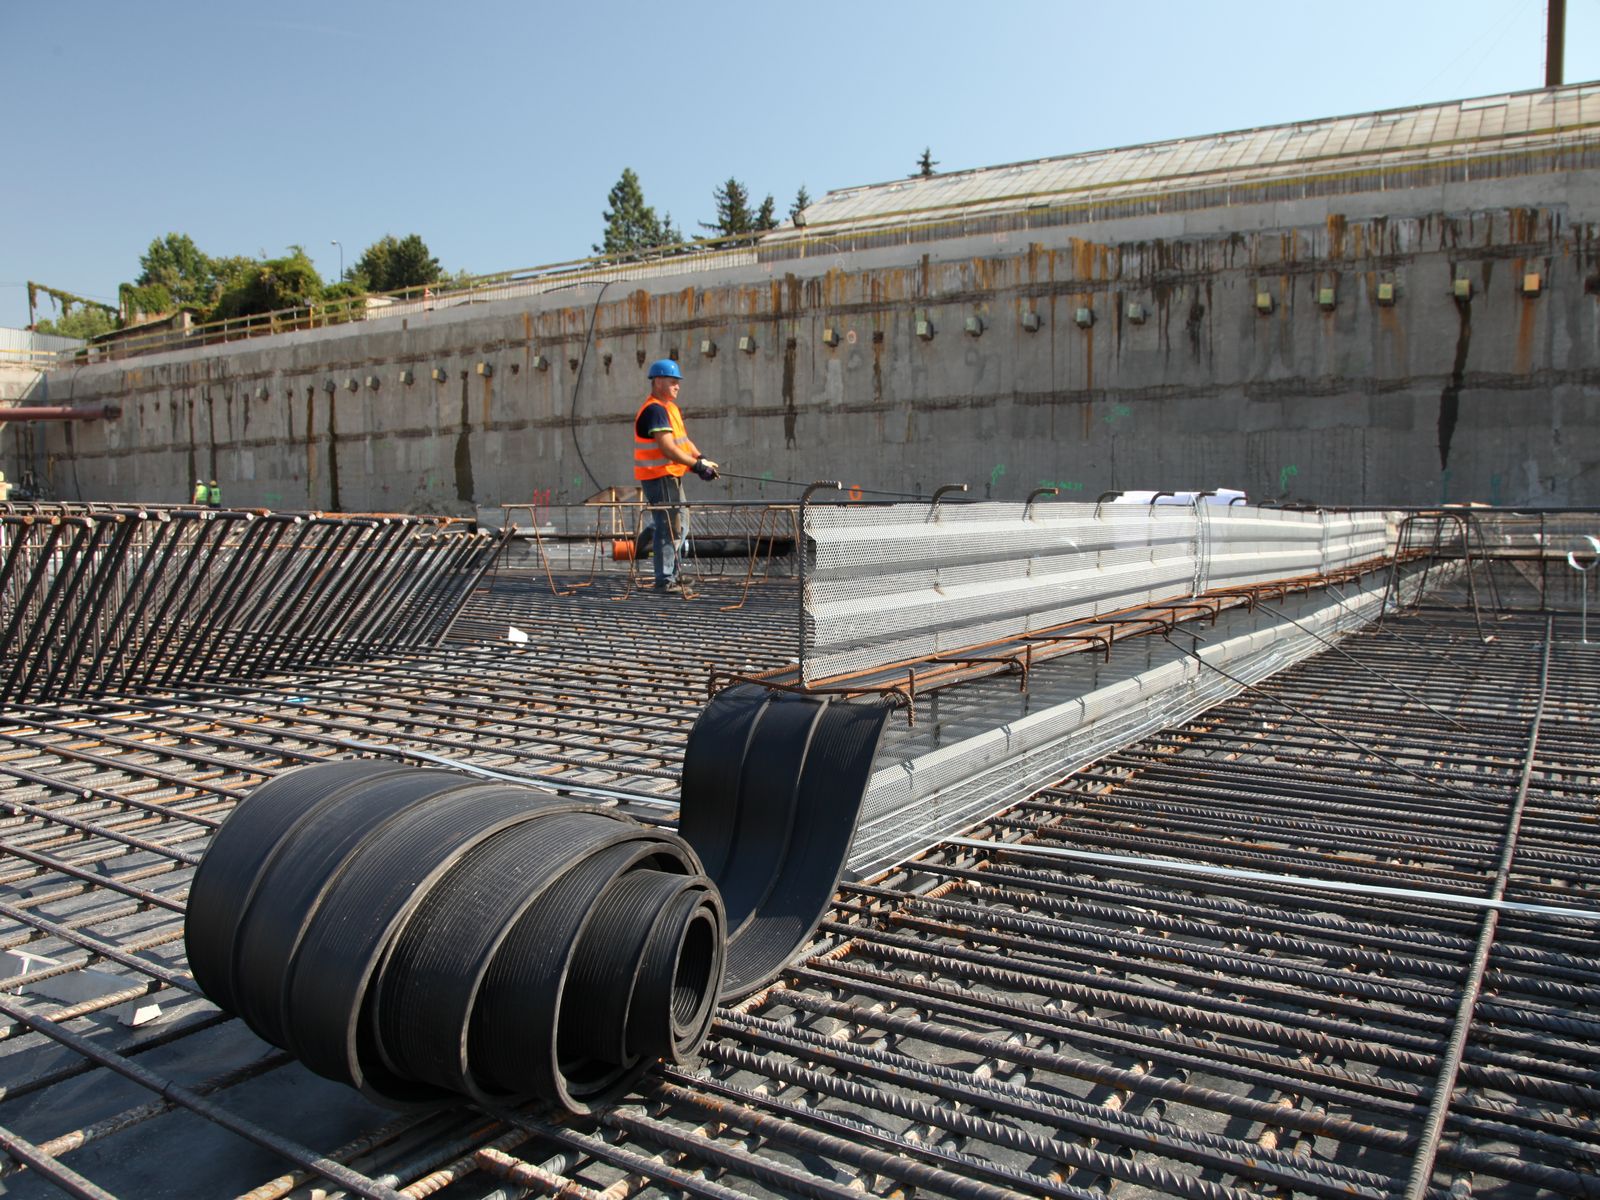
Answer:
(17, 383)
(1494, 399)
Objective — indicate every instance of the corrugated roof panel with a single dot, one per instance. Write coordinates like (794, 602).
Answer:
(1364, 139)
(1322, 141)
(26, 339)
(1352, 137)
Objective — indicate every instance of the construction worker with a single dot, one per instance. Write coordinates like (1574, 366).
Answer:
(213, 494)
(200, 492)
(662, 455)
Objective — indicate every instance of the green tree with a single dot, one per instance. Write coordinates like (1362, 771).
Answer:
(345, 289)
(802, 201)
(925, 164)
(85, 322)
(186, 272)
(766, 215)
(288, 282)
(227, 272)
(391, 263)
(150, 299)
(631, 224)
(733, 209)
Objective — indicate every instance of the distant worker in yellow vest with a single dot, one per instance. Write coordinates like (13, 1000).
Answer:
(662, 455)
(200, 492)
(213, 494)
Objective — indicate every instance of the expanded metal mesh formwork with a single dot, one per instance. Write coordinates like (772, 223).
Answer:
(1243, 546)
(103, 599)
(900, 582)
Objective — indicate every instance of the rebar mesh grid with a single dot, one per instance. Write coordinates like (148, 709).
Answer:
(991, 1021)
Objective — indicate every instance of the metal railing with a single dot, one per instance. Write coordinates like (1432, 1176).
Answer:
(42, 359)
(683, 258)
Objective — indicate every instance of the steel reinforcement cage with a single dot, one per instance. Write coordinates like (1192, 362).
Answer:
(95, 599)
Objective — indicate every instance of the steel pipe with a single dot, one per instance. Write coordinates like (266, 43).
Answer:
(60, 412)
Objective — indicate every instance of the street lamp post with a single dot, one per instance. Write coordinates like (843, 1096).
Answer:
(341, 258)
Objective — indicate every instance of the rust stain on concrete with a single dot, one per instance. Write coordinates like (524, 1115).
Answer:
(1526, 317)
(1089, 260)
(1337, 228)
(1085, 300)
(639, 308)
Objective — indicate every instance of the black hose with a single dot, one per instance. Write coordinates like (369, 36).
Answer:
(797, 483)
(736, 546)
(572, 411)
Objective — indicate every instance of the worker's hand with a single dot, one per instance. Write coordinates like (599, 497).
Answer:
(705, 468)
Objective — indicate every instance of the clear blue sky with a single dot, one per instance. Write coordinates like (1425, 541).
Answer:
(495, 129)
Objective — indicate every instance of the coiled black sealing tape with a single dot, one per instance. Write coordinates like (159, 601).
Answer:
(421, 935)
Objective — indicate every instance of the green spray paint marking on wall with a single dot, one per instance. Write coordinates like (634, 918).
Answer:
(994, 475)
(1284, 476)
(1119, 413)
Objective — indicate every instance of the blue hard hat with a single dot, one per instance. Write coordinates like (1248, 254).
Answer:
(664, 366)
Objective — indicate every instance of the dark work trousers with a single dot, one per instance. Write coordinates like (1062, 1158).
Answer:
(664, 495)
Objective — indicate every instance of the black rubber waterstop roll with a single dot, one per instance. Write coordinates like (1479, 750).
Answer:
(422, 935)
(772, 790)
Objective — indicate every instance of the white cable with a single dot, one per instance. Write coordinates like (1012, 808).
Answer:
(1583, 581)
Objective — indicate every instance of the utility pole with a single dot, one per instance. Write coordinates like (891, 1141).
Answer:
(1555, 41)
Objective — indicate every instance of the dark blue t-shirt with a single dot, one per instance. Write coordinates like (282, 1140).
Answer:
(652, 420)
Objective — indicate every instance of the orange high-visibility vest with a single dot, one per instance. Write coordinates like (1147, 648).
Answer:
(649, 460)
